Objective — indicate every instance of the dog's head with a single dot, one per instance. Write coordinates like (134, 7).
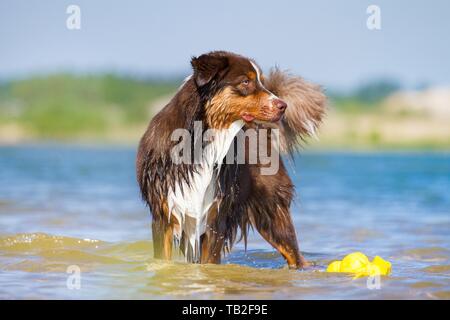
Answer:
(233, 87)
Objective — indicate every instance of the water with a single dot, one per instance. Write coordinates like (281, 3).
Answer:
(63, 206)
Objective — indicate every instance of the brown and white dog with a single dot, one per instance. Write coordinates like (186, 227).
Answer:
(200, 205)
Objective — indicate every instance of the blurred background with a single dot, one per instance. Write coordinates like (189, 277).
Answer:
(388, 88)
(74, 103)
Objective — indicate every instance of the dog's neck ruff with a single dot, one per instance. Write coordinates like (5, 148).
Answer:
(190, 202)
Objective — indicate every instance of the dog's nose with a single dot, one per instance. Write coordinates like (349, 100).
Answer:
(280, 104)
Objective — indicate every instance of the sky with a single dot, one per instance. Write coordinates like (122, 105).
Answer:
(324, 41)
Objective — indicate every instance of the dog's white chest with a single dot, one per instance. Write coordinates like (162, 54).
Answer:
(190, 204)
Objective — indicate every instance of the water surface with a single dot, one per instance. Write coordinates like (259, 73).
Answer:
(63, 206)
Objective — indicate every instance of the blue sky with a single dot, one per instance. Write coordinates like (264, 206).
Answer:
(324, 41)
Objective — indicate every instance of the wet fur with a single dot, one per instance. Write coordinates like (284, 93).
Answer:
(306, 109)
(244, 197)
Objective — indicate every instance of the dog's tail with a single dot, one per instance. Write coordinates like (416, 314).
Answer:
(306, 107)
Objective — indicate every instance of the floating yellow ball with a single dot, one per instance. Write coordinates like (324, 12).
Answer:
(354, 263)
(385, 266)
(334, 267)
(358, 263)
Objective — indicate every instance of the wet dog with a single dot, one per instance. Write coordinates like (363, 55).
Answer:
(201, 203)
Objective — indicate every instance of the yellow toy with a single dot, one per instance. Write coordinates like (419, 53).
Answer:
(360, 265)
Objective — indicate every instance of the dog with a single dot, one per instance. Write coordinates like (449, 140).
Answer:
(200, 205)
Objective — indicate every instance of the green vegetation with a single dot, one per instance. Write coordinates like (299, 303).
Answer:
(117, 109)
(64, 106)
(366, 97)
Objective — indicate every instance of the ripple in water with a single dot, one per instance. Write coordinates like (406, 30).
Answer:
(63, 206)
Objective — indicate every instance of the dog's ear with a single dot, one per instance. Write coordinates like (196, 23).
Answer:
(306, 107)
(206, 67)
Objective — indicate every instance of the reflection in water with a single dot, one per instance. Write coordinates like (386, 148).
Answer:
(63, 206)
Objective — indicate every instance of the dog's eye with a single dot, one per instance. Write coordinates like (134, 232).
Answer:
(245, 82)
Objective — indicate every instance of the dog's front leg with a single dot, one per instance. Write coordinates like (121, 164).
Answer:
(212, 240)
(211, 246)
(280, 233)
(162, 231)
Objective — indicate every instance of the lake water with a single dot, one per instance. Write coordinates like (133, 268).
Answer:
(79, 206)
